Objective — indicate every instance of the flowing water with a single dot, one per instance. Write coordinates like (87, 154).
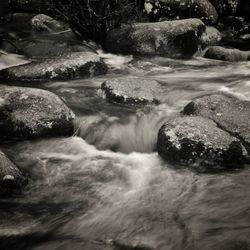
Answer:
(106, 186)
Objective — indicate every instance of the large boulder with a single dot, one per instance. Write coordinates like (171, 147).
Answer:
(230, 113)
(69, 66)
(173, 9)
(44, 48)
(11, 178)
(198, 141)
(43, 22)
(225, 54)
(31, 113)
(175, 39)
(133, 91)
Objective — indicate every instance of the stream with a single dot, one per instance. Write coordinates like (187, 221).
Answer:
(107, 186)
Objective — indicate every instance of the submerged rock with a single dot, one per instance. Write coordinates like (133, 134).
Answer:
(66, 67)
(30, 113)
(198, 141)
(230, 113)
(224, 54)
(11, 178)
(173, 9)
(43, 22)
(175, 39)
(133, 91)
(211, 36)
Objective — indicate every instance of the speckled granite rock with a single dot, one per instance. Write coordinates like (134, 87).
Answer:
(133, 91)
(66, 67)
(11, 178)
(175, 39)
(30, 113)
(198, 141)
(230, 113)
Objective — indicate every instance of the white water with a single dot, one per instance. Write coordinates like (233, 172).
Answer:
(106, 184)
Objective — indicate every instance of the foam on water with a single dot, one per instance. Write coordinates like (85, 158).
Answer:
(107, 184)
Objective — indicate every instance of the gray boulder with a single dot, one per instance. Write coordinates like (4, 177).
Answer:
(176, 39)
(31, 113)
(224, 54)
(43, 22)
(45, 48)
(173, 9)
(230, 113)
(11, 178)
(69, 66)
(198, 141)
(133, 91)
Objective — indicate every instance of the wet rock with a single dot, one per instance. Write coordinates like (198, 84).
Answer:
(175, 39)
(45, 48)
(210, 37)
(225, 54)
(230, 113)
(31, 113)
(69, 66)
(173, 9)
(43, 22)
(133, 91)
(198, 141)
(11, 178)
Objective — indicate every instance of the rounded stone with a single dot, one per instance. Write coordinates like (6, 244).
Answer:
(133, 91)
(198, 141)
(11, 178)
(30, 113)
(230, 113)
(69, 66)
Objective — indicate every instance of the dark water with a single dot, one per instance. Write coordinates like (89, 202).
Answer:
(106, 184)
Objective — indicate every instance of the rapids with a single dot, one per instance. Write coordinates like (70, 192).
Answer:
(107, 184)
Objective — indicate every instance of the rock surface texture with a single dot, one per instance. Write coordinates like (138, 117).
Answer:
(66, 67)
(182, 9)
(45, 48)
(43, 22)
(224, 54)
(228, 112)
(31, 113)
(11, 178)
(198, 141)
(177, 39)
(210, 37)
(133, 91)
